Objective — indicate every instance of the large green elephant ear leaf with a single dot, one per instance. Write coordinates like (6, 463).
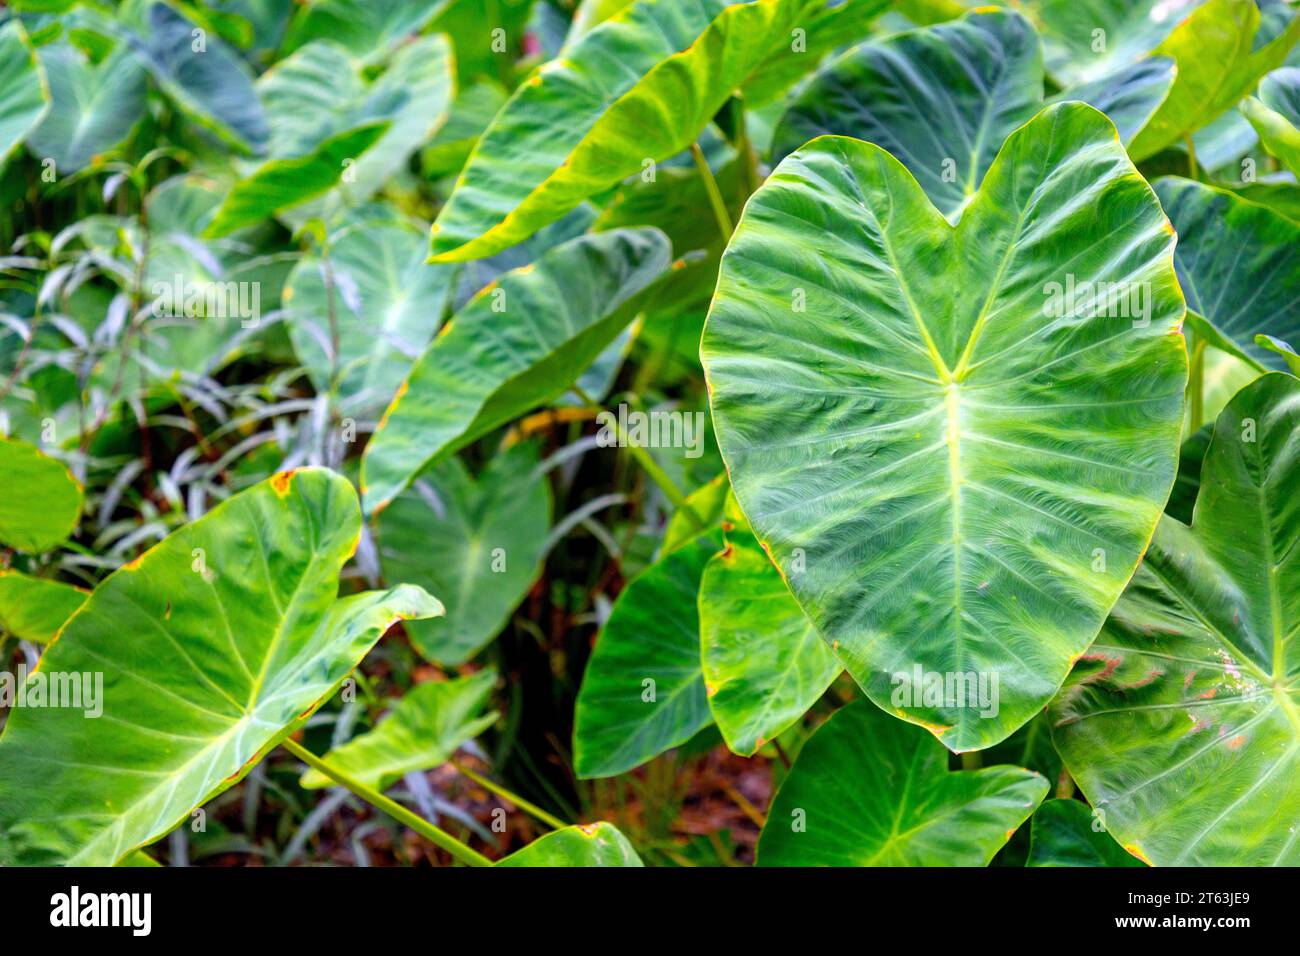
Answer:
(1086, 40)
(385, 301)
(24, 93)
(1182, 723)
(587, 844)
(479, 542)
(34, 609)
(281, 184)
(423, 730)
(31, 476)
(1221, 50)
(1275, 115)
(1239, 264)
(93, 107)
(322, 90)
(868, 790)
(638, 88)
(520, 342)
(211, 84)
(205, 653)
(1067, 833)
(764, 663)
(951, 445)
(643, 690)
(943, 99)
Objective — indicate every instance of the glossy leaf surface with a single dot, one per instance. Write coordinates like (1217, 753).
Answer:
(643, 690)
(965, 458)
(764, 664)
(1085, 40)
(868, 790)
(638, 88)
(212, 647)
(1182, 722)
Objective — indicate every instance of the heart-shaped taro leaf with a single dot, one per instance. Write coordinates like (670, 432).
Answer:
(1182, 723)
(1067, 833)
(637, 89)
(520, 342)
(764, 664)
(385, 303)
(1275, 115)
(212, 85)
(943, 99)
(479, 542)
(32, 476)
(422, 731)
(34, 609)
(643, 690)
(587, 844)
(1239, 264)
(954, 441)
(1221, 49)
(868, 790)
(93, 106)
(200, 656)
(24, 95)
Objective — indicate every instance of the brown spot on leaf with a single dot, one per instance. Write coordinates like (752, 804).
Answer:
(280, 482)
